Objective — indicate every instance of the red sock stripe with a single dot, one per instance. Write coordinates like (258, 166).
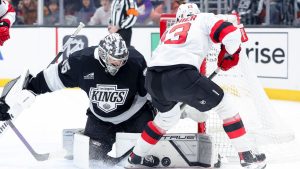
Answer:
(234, 127)
(148, 138)
(154, 128)
(151, 134)
(236, 133)
(232, 120)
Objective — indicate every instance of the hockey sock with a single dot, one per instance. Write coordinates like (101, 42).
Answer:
(150, 136)
(236, 131)
(234, 127)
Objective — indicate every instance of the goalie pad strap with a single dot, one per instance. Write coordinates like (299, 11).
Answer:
(151, 134)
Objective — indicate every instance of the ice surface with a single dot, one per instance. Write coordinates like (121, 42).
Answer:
(43, 123)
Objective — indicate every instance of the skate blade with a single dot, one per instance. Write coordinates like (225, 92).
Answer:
(143, 167)
(130, 166)
(257, 166)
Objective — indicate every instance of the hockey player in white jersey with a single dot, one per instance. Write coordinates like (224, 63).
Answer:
(7, 18)
(173, 77)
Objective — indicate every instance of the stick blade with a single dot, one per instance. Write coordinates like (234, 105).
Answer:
(41, 157)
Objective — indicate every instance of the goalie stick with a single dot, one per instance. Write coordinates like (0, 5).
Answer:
(70, 39)
(37, 156)
(6, 90)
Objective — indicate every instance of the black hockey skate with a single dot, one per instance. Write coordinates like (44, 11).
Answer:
(250, 160)
(135, 161)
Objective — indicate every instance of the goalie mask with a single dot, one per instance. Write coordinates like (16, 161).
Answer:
(186, 10)
(113, 52)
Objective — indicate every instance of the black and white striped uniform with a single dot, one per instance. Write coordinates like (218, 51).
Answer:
(124, 15)
(119, 16)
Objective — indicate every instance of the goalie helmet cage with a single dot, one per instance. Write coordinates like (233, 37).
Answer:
(262, 123)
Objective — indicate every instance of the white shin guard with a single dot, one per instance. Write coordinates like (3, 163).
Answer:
(167, 120)
(226, 108)
(194, 114)
(162, 122)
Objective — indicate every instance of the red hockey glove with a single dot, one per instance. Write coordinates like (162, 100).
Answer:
(226, 61)
(4, 31)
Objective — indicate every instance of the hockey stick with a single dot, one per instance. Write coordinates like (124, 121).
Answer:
(70, 39)
(6, 90)
(211, 76)
(37, 156)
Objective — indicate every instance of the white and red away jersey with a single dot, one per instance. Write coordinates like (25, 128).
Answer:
(188, 40)
(7, 12)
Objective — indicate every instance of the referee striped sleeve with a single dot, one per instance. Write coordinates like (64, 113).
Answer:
(131, 12)
(124, 13)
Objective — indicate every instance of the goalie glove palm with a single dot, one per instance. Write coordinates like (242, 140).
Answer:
(3, 111)
(226, 61)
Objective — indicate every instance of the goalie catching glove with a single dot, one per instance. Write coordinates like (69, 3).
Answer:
(227, 61)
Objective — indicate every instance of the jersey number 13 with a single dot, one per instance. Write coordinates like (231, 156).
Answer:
(177, 34)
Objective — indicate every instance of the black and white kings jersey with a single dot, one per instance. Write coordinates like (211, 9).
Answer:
(112, 98)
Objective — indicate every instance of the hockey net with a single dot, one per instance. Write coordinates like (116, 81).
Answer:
(262, 123)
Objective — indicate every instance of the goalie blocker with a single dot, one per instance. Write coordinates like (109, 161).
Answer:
(174, 150)
(15, 99)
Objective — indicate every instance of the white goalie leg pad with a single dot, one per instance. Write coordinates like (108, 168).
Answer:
(68, 141)
(194, 114)
(168, 119)
(226, 108)
(81, 152)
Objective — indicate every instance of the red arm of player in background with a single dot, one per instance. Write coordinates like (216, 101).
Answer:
(7, 18)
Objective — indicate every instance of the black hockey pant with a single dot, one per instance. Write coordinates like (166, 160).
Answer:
(181, 83)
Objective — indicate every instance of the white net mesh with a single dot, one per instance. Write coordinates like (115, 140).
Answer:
(261, 121)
